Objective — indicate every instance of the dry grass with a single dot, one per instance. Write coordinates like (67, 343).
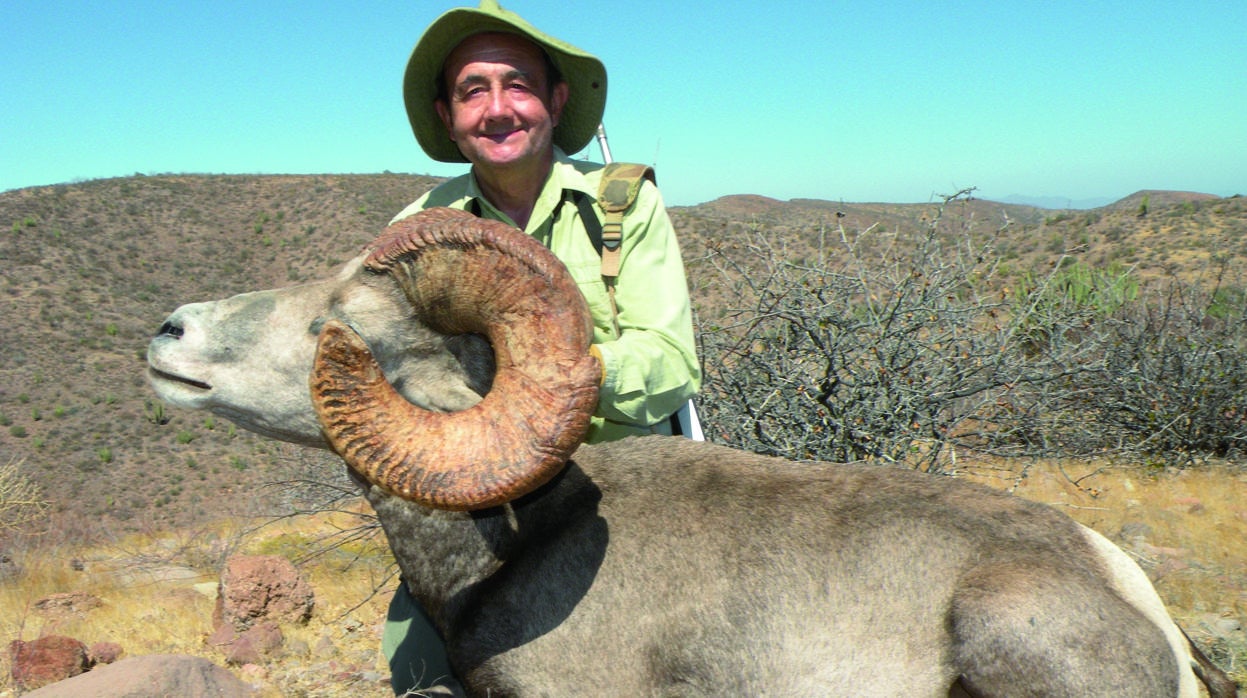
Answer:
(157, 597)
(1185, 528)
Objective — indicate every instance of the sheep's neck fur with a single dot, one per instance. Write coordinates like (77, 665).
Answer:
(448, 557)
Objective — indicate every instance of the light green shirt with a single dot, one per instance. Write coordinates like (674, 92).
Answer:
(651, 366)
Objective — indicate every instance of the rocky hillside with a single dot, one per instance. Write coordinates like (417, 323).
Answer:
(91, 269)
(89, 272)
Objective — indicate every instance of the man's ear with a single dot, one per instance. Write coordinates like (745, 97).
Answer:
(443, 112)
(558, 98)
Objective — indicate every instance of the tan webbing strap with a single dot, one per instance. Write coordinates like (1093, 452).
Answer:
(618, 190)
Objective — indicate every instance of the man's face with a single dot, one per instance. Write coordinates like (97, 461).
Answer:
(499, 108)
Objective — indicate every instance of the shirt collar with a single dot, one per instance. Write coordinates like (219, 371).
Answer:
(564, 176)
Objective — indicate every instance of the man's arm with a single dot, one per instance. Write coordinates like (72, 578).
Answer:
(651, 370)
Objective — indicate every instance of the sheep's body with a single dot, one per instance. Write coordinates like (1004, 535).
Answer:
(660, 566)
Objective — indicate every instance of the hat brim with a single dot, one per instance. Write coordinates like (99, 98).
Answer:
(584, 73)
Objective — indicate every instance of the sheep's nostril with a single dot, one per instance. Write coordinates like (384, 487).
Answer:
(170, 330)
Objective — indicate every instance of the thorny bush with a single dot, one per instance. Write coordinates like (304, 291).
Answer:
(878, 345)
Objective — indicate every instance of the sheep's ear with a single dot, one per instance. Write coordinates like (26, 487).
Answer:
(446, 383)
(436, 388)
(476, 358)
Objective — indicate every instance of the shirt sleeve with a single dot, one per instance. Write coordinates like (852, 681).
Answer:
(651, 369)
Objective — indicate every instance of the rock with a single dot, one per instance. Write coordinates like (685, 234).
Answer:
(222, 637)
(104, 653)
(74, 602)
(47, 660)
(254, 671)
(325, 649)
(1222, 626)
(351, 625)
(251, 646)
(260, 587)
(255, 644)
(208, 589)
(1132, 531)
(257, 592)
(1226, 627)
(151, 675)
(144, 571)
(298, 648)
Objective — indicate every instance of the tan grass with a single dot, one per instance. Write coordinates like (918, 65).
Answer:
(146, 612)
(1187, 529)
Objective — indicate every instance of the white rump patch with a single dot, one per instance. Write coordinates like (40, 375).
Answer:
(1132, 584)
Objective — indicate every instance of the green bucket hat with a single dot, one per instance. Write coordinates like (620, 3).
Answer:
(584, 73)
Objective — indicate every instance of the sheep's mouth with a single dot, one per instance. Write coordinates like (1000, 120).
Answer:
(159, 375)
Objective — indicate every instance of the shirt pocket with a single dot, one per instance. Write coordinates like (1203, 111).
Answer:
(588, 277)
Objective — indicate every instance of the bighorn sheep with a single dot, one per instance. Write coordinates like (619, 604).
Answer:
(656, 565)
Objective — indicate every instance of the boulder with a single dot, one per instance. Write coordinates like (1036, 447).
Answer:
(151, 675)
(47, 660)
(261, 587)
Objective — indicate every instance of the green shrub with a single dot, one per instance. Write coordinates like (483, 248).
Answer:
(155, 412)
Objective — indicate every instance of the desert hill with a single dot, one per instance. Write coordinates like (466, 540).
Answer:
(90, 269)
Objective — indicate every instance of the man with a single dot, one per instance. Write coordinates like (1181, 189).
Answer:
(484, 86)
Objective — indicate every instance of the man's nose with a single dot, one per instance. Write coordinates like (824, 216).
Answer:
(498, 104)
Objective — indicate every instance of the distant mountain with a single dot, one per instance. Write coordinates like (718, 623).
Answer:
(1057, 202)
(1161, 198)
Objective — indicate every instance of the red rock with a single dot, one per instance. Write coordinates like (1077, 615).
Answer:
(47, 660)
(255, 644)
(260, 587)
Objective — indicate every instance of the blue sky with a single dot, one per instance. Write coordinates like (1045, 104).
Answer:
(852, 101)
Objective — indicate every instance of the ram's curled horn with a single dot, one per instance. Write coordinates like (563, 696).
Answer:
(466, 274)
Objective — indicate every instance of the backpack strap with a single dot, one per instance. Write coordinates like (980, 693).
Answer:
(617, 191)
